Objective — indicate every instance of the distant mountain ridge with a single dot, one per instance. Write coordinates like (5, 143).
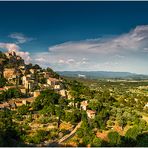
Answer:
(102, 74)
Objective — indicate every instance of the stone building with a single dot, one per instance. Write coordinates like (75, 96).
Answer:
(84, 105)
(91, 114)
(36, 93)
(63, 93)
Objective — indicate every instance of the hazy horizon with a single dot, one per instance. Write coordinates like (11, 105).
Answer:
(100, 71)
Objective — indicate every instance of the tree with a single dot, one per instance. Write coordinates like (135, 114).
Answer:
(142, 140)
(9, 131)
(46, 98)
(122, 122)
(36, 66)
(10, 93)
(62, 104)
(74, 116)
(43, 80)
(96, 142)
(77, 92)
(2, 81)
(114, 138)
(95, 105)
(79, 132)
(13, 93)
(39, 136)
(23, 110)
(87, 140)
(132, 133)
(2, 55)
(52, 73)
(143, 125)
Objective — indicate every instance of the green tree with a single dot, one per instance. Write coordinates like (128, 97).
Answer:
(52, 73)
(142, 140)
(122, 121)
(13, 93)
(23, 110)
(80, 132)
(46, 98)
(39, 136)
(132, 133)
(95, 105)
(97, 142)
(62, 104)
(10, 93)
(114, 138)
(9, 131)
(74, 116)
(2, 81)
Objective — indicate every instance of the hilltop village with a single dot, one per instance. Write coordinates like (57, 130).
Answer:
(29, 79)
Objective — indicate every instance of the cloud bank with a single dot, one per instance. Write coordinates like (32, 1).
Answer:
(135, 40)
(118, 53)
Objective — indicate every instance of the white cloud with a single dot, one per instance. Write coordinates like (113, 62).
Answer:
(135, 40)
(73, 61)
(98, 52)
(25, 56)
(21, 38)
(9, 46)
(14, 47)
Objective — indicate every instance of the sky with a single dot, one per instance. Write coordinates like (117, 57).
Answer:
(86, 36)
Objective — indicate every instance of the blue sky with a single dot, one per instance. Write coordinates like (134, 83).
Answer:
(110, 36)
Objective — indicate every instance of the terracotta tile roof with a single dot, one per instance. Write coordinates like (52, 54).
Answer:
(83, 103)
(6, 104)
(17, 101)
(91, 111)
(2, 89)
(53, 79)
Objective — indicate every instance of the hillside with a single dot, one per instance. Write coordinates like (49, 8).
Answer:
(40, 108)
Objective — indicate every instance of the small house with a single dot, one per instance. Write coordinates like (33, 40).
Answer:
(84, 105)
(36, 93)
(91, 114)
(52, 81)
(63, 93)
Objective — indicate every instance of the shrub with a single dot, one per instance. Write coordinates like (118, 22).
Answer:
(39, 136)
(23, 110)
(96, 142)
(114, 138)
(132, 133)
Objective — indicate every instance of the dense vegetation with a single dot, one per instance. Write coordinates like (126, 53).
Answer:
(119, 108)
(10, 133)
(2, 81)
(11, 93)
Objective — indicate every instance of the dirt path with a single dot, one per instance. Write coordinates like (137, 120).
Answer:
(66, 137)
